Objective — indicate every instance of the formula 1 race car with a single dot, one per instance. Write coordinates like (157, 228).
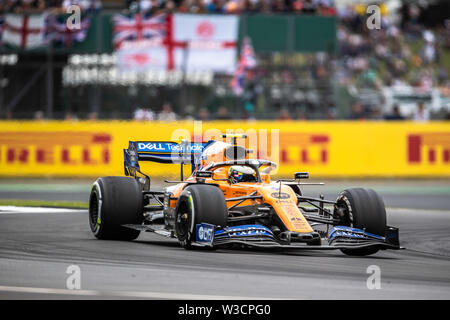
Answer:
(229, 199)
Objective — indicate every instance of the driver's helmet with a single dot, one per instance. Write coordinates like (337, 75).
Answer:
(241, 174)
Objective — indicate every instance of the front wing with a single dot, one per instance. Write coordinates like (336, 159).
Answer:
(339, 237)
(258, 236)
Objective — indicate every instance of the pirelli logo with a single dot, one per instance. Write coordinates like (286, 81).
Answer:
(431, 148)
(50, 148)
(304, 148)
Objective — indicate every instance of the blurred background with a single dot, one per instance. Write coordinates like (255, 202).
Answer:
(314, 60)
(350, 88)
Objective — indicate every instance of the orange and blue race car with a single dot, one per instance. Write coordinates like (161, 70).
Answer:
(229, 200)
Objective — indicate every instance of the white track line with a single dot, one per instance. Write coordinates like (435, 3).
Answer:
(415, 210)
(14, 209)
(126, 294)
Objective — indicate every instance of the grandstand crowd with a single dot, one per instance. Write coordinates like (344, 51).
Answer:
(319, 7)
(54, 6)
(401, 54)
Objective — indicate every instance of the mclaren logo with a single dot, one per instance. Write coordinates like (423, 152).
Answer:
(280, 195)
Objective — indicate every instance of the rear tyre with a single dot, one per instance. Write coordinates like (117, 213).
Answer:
(199, 203)
(115, 201)
(362, 209)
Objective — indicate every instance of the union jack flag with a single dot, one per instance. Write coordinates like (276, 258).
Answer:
(58, 31)
(138, 27)
(246, 61)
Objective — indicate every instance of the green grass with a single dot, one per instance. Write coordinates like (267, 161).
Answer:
(43, 203)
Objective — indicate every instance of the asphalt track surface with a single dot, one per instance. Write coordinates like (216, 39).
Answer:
(36, 248)
(420, 194)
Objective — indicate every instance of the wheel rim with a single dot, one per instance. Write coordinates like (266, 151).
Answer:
(344, 204)
(93, 211)
(182, 222)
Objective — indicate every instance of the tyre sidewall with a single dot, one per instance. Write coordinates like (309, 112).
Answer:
(206, 204)
(186, 199)
(96, 226)
(366, 211)
(116, 207)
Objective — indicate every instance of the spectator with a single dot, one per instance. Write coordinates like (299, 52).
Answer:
(183, 6)
(357, 112)
(375, 114)
(309, 7)
(203, 114)
(429, 54)
(320, 7)
(70, 117)
(301, 116)
(92, 116)
(197, 6)
(55, 6)
(247, 116)
(141, 114)
(28, 6)
(7, 6)
(325, 8)
(331, 114)
(85, 5)
(170, 6)
(189, 112)
(421, 114)
(167, 114)
(395, 114)
(278, 6)
(284, 115)
(39, 115)
(222, 113)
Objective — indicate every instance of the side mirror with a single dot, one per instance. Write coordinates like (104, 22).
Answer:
(214, 177)
(204, 174)
(301, 175)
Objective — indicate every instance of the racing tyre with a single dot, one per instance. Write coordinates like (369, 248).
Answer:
(362, 209)
(199, 203)
(115, 201)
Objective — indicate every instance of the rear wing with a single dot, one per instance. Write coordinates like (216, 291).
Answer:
(162, 152)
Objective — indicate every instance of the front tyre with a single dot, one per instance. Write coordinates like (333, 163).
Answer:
(363, 209)
(115, 201)
(199, 203)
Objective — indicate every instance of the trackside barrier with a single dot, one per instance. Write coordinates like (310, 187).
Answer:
(325, 149)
